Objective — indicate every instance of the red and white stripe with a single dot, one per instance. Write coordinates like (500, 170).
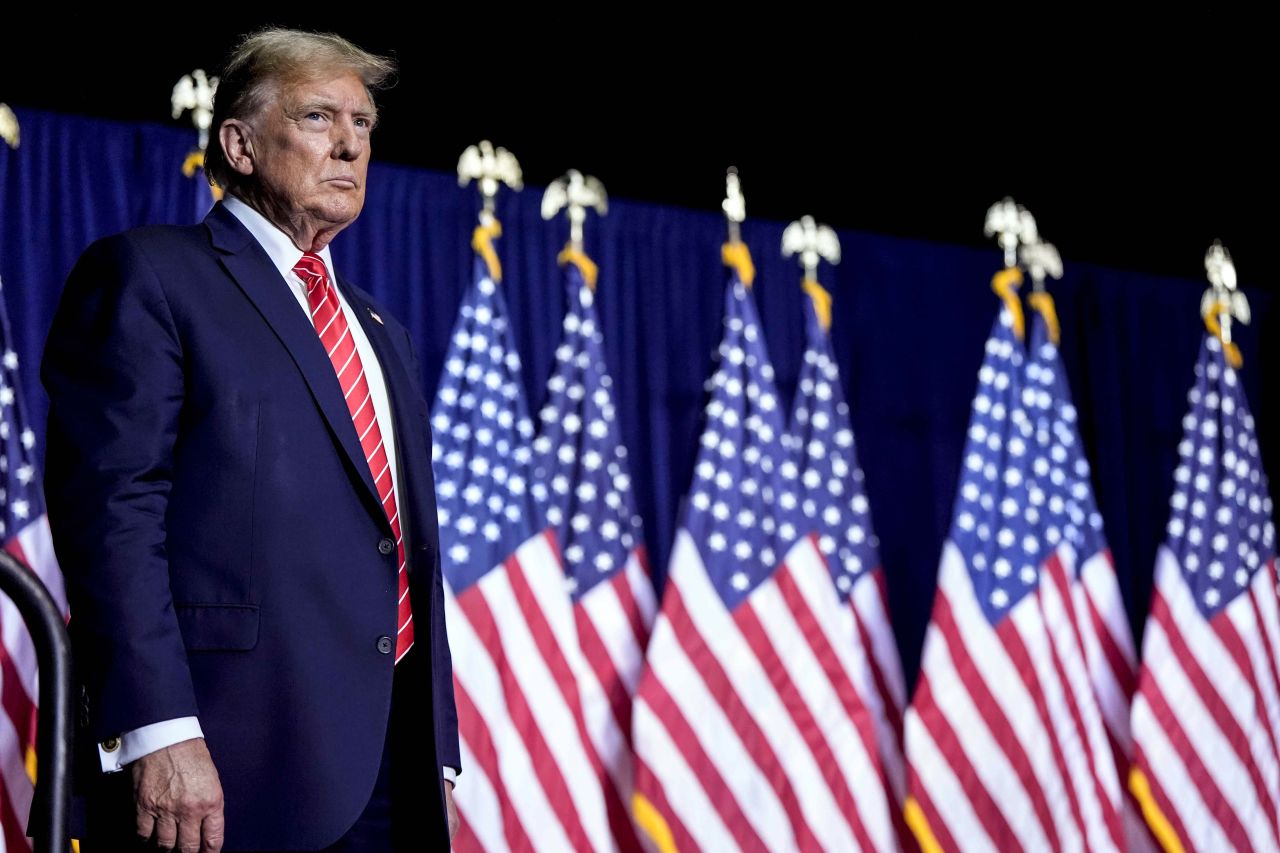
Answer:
(19, 685)
(748, 730)
(15, 789)
(1206, 717)
(1005, 744)
(1108, 647)
(533, 780)
(1113, 671)
(880, 683)
(613, 620)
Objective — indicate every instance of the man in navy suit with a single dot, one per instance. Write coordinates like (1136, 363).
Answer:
(239, 486)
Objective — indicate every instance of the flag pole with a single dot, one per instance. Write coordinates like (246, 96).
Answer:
(1013, 226)
(1223, 302)
(575, 193)
(490, 168)
(734, 253)
(812, 243)
(734, 205)
(1042, 261)
(194, 93)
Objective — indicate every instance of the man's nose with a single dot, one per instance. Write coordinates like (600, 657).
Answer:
(347, 141)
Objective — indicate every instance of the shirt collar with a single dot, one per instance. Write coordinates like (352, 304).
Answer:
(277, 244)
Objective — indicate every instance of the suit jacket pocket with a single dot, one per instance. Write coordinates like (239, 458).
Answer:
(218, 627)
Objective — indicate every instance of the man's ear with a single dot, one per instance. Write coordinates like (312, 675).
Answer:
(236, 138)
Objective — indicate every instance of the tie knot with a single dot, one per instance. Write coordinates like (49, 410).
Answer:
(310, 268)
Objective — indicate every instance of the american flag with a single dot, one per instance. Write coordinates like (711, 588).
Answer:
(1005, 743)
(833, 501)
(581, 472)
(1206, 718)
(748, 731)
(24, 530)
(1103, 623)
(531, 780)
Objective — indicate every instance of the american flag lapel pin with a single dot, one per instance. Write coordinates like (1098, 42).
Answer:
(374, 315)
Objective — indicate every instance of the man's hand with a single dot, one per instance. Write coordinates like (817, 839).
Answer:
(451, 809)
(179, 799)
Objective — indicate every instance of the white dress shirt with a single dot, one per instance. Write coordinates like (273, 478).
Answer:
(116, 753)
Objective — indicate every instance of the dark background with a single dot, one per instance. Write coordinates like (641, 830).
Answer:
(1133, 146)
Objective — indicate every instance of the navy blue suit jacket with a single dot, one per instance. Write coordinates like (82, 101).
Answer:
(219, 529)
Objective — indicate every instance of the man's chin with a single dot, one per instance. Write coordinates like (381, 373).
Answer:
(337, 215)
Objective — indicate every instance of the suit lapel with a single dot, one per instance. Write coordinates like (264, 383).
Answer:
(400, 388)
(248, 264)
(393, 369)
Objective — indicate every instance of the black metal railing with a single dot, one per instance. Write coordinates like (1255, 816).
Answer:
(53, 733)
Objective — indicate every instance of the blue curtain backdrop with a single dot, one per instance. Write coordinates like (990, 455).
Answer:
(910, 319)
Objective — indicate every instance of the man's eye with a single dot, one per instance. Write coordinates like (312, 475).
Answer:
(315, 115)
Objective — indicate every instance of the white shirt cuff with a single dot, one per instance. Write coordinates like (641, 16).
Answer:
(118, 752)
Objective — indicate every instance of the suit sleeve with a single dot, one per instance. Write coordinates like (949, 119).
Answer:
(442, 662)
(442, 667)
(113, 369)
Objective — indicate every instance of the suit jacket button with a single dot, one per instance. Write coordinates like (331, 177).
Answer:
(386, 546)
(385, 645)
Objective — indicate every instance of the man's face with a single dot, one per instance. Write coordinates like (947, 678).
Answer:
(311, 150)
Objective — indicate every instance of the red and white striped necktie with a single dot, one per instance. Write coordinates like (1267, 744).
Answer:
(335, 334)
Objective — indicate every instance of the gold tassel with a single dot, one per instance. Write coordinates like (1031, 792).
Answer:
(821, 302)
(1215, 328)
(737, 255)
(579, 259)
(482, 241)
(1043, 303)
(1160, 826)
(1005, 284)
(195, 160)
(653, 823)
